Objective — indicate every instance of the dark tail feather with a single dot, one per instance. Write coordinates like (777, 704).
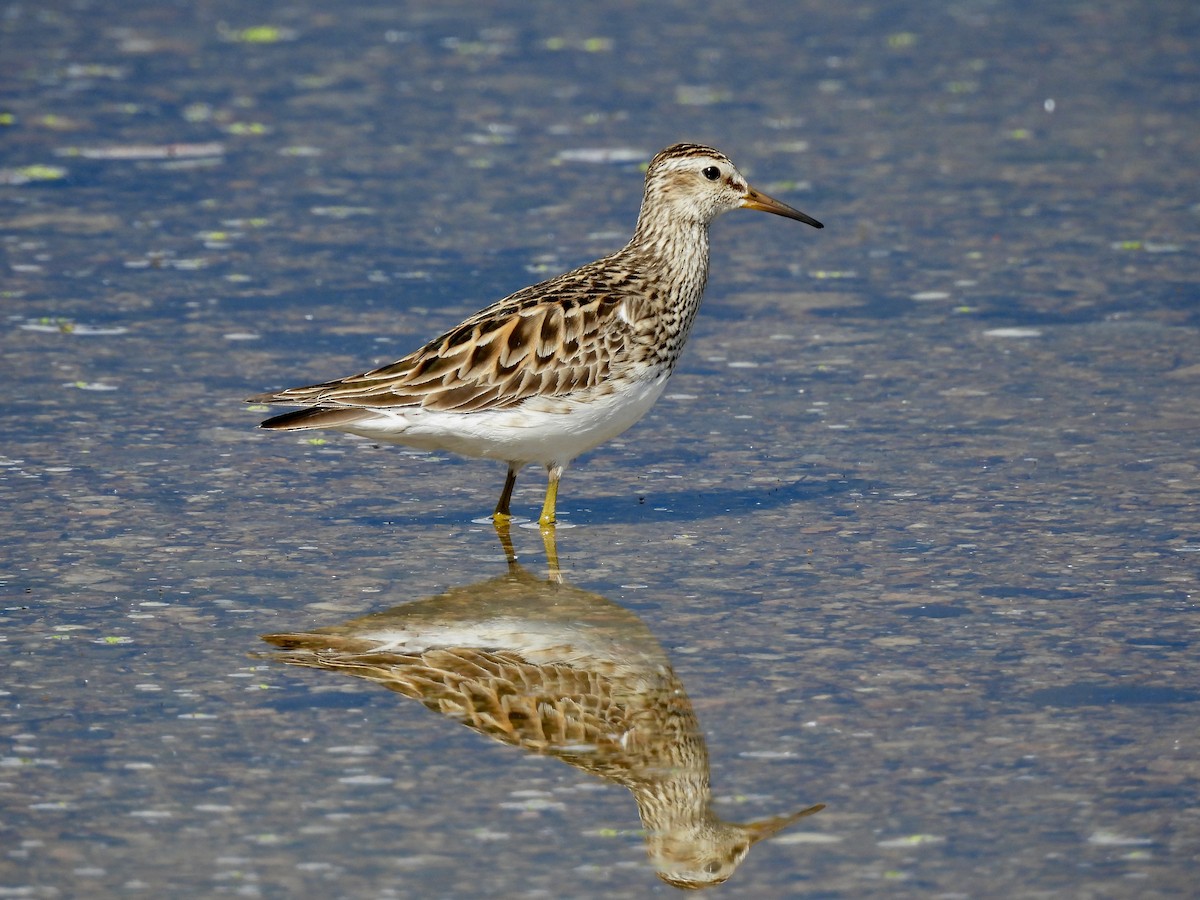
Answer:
(316, 418)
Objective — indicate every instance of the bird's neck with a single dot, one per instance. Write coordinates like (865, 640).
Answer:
(671, 259)
(676, 251)
(680, 803)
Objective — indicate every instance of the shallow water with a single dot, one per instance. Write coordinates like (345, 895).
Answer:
(916, 523)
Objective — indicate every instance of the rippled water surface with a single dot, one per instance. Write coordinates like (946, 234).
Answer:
(914, 532)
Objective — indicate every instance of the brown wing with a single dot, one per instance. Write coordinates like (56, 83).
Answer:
(552, 339)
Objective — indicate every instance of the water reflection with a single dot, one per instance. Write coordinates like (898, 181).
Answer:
(559, 671)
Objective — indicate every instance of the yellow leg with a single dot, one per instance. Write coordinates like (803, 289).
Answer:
(553, 572)
(502, 513)
(547, 517)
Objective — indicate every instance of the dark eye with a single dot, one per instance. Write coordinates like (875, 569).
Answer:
(712, 173)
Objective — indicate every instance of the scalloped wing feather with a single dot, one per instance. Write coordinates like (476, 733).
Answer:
(551, 339)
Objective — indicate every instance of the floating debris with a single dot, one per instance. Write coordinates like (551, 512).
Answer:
(1113, 839)
(701, 95)
(1145, 246)
(257, 34)
(342, 212)
(830, 274)
(198, 112)
(57, 123)
(218, 240)
(60, 325)
(95, 70)
(1013, 332)
(35, 172)
(90, 386)
(189, 265)
(588, 45)
(248, 129)
(806, 837)
(144, 151)
(368, 780)
(912, 840)
(601, 155)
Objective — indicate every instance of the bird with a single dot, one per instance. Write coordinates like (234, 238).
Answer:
(558, 368)
(557, 671)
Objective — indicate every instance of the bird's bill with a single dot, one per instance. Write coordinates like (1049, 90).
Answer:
(754, 200)
(765, 828)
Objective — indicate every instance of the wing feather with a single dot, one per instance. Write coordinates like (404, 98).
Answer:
(552, 339)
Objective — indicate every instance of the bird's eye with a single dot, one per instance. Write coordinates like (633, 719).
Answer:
(712, 173)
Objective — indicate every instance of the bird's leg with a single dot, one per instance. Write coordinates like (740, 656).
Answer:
(502, 513)
(502, 532)
(553, 571)
(554, 473)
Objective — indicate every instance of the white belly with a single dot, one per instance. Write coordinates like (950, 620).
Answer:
(549, 434)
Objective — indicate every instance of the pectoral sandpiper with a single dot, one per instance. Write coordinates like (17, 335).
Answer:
(558, 671)
(560, 367)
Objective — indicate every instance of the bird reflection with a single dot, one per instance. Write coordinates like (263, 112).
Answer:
(559, 671)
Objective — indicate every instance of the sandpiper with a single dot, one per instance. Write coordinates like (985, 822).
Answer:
(558, 671)
(562, 366)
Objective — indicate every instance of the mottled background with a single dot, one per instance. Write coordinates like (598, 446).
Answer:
(918, 521)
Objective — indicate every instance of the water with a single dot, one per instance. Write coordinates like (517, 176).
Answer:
(916, 524)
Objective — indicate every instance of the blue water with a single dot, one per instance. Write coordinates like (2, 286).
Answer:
(916, 523)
